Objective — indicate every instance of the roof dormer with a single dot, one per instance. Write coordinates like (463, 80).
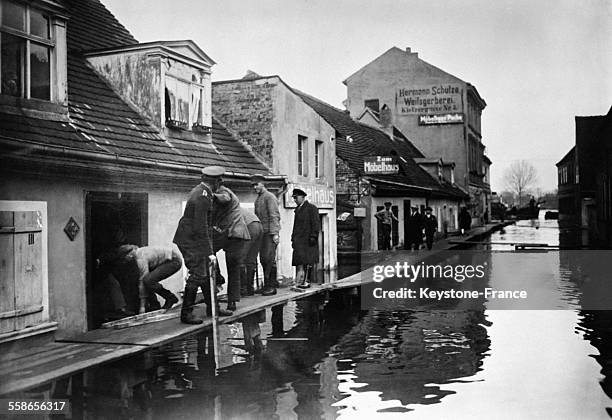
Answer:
(167, 81)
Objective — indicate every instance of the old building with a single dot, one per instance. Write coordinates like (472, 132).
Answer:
(439, 112)
(101, 140)
(406, 179)
(584, 184)
(292, 139)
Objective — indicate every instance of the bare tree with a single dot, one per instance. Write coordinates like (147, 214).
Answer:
(519, 177)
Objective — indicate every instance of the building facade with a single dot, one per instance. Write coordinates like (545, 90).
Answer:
(374, 166)
(585, 184)
(291, 139)
(93, 156)
(438, 112)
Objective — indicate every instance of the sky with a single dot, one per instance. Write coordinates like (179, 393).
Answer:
(537, 63)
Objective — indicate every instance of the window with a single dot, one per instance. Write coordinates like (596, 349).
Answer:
(318, 159)
(373, 104)
(183, 102)
(301, 156)
(26, 48)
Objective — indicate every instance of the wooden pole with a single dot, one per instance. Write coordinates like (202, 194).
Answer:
(212, 276)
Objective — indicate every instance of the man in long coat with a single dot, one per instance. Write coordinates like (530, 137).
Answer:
(304, 238)
(194, 239)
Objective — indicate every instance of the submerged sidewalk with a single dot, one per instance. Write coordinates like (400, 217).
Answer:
(65, 357)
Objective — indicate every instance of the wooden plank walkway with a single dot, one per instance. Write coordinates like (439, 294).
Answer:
(54, 361)
(68, 356)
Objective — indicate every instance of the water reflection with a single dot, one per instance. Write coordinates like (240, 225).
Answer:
(325, 358)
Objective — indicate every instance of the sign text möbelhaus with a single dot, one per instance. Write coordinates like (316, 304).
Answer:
(380, 165)
(431, 99)
(321, 196)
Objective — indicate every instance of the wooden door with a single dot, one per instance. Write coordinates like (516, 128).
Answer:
(21, 278)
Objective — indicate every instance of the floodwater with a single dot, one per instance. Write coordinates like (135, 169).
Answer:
(326, 358)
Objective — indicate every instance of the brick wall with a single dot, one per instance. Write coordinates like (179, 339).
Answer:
(245, 108)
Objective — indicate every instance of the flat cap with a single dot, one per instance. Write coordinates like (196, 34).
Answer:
(213, 171)
(428, 209)
(257, 178)
(297, 192)
(387, 203)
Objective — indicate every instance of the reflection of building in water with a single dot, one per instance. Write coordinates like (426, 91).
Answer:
(597, 327)
(405, 352)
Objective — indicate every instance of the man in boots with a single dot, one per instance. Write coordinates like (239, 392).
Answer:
(266, 208)
(194, 240)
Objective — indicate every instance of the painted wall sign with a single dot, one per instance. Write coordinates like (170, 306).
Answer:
(440, 119)
(380, 165)
(431, 99)
(321, 196)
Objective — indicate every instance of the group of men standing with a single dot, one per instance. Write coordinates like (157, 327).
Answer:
(213, 220)
(416, 225)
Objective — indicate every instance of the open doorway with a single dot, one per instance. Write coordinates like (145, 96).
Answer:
(112, 219)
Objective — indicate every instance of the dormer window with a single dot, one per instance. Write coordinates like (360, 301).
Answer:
(27, 47)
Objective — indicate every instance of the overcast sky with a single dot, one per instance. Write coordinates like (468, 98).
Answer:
(537, 63)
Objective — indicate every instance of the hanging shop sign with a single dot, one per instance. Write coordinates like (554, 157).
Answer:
(380, 165)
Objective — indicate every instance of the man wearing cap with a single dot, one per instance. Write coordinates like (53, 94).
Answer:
(194, 240)
(430, 223)
(266, 208)
(304, 238)
(386, 218)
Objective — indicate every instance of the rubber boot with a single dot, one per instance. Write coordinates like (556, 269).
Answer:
(189, 297)
(170, 298)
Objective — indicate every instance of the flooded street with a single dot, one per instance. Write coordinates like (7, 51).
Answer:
(329, 359)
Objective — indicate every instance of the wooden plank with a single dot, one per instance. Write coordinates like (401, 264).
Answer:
(20, 312)
(28, 275)
(7, 280)
(19, 379)
(12, 230)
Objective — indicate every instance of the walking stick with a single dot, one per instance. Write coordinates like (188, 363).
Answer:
(212, 276)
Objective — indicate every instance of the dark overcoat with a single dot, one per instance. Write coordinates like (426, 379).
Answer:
(305, 235)
(193, 235)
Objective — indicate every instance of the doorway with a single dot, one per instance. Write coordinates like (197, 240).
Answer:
(112, 219)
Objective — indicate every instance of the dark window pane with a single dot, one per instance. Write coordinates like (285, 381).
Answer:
(40, 74)
(39, 24)
(13, 15)
(13, 60)
(372, 104)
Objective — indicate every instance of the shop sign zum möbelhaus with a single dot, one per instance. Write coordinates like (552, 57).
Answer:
(380, 165)
(431, 99)
(321, 196)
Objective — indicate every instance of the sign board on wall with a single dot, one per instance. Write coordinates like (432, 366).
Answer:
(380, 165)
(321, 196)
(429, 99)
(440, 119)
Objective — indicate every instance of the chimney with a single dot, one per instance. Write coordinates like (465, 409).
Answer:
(409, 51)
(386, 120)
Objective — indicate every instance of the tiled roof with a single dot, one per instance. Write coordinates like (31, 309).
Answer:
(100, 121)
(358, 140)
